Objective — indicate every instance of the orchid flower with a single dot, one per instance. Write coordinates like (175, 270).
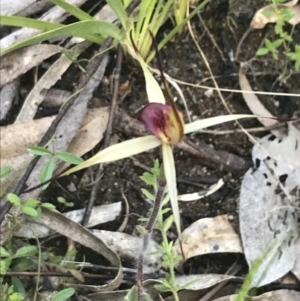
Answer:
(167, 127)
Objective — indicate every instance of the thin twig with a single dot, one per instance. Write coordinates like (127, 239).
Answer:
(107, 137)
(125, 221)
(161, 185)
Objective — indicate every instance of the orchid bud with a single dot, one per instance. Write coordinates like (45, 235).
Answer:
(163, 122)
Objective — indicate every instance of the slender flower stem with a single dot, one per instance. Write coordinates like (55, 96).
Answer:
(148, 229)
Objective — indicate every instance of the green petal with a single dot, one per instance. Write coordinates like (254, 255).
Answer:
(204, 123)
(119, 151)
(170, 174)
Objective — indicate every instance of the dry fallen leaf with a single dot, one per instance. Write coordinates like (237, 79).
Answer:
(129, 247)
(286, 295)
(49, 79)
(64, 226)
(268, 207)
(18, 62)
(254, 104)
(15, 138)
(100, 214)
(260, 20)
(210, 235)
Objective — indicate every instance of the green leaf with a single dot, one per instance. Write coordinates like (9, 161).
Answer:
(14, 199)
(30, 23)
(262, 51)
(29, 211)
(47, 172)
(48, 206)
(277, 43)
(269, 44)
(168, 223)
(22, 264)
(39, 214)
(269, 12)
(148, 178)
(4, 265)
(18, 286)
(64, 294)
(161, 288)
(69, 158)
(88, 30)
(38, 150)
(3, 252)
(118, 151)
(31, 203)
(73, 10)
(119, 9)
(26, 251)
(147, 194)
(5, 170)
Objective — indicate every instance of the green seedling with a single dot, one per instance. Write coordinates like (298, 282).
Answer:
(48, 170)
(30, 207)
(282, 16)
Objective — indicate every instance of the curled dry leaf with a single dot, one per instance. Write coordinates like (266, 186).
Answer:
(268, 207)
(286, 295)
(18, 62)
(210, 235)
(100, 214)
(260, 20)
(128, 247)
(254, 104)
(64, 226)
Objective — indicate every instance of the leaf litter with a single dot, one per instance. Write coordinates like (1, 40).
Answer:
(285, 294)
(269, 203)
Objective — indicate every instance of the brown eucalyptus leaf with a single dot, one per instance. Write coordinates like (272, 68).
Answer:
(20, 61)
(15, 138)
(210, 235)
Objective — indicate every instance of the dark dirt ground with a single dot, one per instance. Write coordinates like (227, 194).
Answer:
(182, 61)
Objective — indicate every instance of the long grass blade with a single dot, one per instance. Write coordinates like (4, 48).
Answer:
(171, 34)
(118, 7)
(88, 30)
(27, 22)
